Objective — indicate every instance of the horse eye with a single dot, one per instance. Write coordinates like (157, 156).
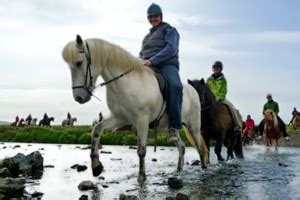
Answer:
(78, 63)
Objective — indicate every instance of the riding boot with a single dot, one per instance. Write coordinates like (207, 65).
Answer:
(173, 135)
(282, 126)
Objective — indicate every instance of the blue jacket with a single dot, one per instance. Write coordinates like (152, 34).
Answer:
(160, 45)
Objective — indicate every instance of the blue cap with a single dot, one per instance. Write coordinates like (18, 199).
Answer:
(154, 9)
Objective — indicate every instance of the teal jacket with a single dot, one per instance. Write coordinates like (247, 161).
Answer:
(272, 105)
(218, 86)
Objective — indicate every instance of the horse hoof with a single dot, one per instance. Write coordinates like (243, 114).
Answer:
(97, 170)
(221, 159)
(141, 180)
(204, 167)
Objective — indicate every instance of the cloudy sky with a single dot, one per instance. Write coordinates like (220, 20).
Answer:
(258, 42)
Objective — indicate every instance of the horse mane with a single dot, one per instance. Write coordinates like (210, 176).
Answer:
(205, 94)
(273, 115)
(105, 54)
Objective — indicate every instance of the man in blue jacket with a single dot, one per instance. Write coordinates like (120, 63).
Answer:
(160, 51)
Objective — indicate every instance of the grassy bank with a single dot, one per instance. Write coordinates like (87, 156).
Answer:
(74, 135)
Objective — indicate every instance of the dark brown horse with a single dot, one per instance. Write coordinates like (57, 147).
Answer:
(217, 122)
(272, 131)
(46, 121)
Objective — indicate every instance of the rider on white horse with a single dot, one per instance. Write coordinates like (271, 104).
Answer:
(160, 51)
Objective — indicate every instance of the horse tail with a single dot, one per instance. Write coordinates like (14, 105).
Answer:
(189, 136)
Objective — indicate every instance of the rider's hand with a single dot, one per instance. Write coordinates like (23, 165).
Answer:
(147, 63)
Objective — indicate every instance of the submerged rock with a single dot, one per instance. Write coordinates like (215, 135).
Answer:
(30, 165)
(84, 197)
(4, 172)
(79, 167)
(86, 185)
(12, 187)
(127, 197)
(175, 183)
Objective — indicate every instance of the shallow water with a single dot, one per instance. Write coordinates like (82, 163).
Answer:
(259, 176)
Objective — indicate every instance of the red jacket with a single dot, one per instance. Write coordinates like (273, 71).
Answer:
(249, 123)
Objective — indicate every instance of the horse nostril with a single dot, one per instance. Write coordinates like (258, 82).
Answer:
(78, 98)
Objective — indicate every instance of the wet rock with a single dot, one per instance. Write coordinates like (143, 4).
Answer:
(86, 185)
(4, 147)
(154, 160)
(105, 152)
(116, 159)
(86, 148)
(30, 165)
(132, 147)
(195, 162)
(162, 149)
(175, 183)
(79, 167)
(182, 196)
(41, 149)
(282, 164)
(12, 187)
(84, 197)
(37, 194)
(170, 198)
(49, 166)
(105, 186)
(101, 178)
(4, 172)
(127, 197)
(113, 182)
(16, 146)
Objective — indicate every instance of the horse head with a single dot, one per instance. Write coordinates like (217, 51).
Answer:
(269, 116)
(51, 119)
(77, 55)
(205, 94)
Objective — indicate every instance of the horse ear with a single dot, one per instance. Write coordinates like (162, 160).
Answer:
(190, 82)
(79, 40)
(202, 81)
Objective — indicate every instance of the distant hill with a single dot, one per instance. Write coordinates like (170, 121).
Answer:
(4, 123)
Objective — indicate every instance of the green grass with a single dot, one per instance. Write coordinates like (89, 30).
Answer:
(75, 135)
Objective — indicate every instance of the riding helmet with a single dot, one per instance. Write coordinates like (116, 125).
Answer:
(218, 64)
(154, 9)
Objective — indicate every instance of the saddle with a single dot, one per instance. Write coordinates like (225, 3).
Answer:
(162, 84)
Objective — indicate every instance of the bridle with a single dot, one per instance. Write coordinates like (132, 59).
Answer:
(88, 75)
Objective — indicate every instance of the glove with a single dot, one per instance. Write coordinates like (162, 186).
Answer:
(287, 138)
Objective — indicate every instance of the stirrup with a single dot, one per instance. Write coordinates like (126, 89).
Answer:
(173, 135)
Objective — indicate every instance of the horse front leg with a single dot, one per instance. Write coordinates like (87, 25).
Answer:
(218, 149)
(142, 132)
(97, 131)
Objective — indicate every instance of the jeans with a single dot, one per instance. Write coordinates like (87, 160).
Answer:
(174, 94)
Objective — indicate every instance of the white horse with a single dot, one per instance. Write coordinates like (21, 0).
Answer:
(65, 122)
(133, 97)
